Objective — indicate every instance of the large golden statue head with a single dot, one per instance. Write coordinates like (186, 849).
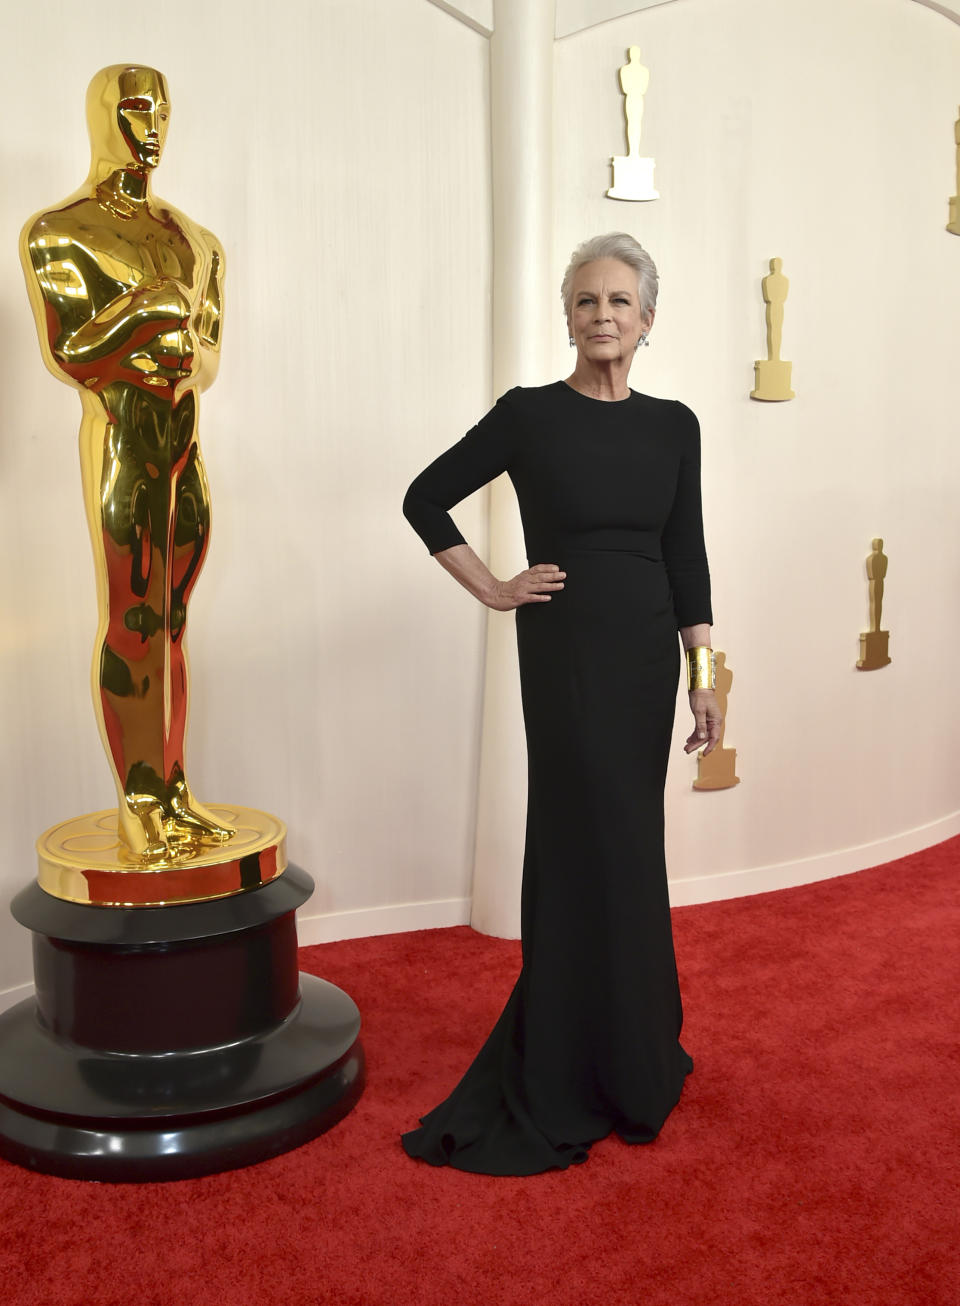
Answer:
(128, 108)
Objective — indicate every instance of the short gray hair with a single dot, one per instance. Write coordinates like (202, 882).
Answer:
(618, 245)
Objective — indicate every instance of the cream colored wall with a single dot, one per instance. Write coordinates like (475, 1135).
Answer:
(342, 155)
(820, 132)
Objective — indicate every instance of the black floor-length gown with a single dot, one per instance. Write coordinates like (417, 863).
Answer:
(589, 1039)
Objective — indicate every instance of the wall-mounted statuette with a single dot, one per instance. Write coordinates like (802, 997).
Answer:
(718, 770)
(772, 373)
(633, 176)
(875, 643)
(953, 222)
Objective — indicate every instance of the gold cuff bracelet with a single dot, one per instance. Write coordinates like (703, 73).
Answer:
(701, 668)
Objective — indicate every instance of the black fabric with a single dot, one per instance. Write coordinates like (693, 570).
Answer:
(589, 1039)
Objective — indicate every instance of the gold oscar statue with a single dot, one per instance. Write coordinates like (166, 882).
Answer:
(953, 221)
(772, 373)
(632, 175)
(127, 296)
(718, 770)
(875, 643)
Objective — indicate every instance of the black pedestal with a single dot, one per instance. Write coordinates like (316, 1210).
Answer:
(170, 1042)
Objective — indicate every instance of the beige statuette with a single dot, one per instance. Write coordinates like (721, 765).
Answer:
(718, 770)
(773, 373)
(875, 643)
(953, 221)
(633, 175)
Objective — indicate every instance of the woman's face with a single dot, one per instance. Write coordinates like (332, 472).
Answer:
(605, 319)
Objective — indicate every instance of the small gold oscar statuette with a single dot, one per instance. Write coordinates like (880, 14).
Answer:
(127, 294)
(875, 643)
(632, 175)
(718, 770)
(953, 221)
(772, 373)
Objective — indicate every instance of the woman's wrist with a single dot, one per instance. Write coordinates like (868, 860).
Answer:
(492, 596)
(701, 668)
(472, 573)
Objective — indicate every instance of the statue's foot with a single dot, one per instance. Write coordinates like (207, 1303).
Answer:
(140, 826)
(191, 820)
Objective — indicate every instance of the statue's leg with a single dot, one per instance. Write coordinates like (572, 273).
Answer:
(634, 129)
(776, 331)
(190, 535)
(127, 671)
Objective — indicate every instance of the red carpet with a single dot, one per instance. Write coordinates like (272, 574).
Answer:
(813, 1157)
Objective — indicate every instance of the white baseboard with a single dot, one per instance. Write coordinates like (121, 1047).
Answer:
(399, 918)
(395, 919)
(694, 889)
(10, 997)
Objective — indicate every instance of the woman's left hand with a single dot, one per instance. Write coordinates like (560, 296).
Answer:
(706, 712)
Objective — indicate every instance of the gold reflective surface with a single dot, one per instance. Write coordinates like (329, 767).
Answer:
(83, 860)
(701, 668)
(127, 296)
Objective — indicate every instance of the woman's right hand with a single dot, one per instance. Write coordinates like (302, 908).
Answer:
(535, 585)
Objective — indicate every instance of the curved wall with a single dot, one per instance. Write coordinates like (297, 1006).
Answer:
(821, 133)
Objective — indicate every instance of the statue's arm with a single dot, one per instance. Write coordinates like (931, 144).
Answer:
(210, 317)
(111, 329)
(82, 315)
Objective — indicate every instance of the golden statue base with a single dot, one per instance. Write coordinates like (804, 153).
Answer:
(953, 220)
(874, 650)
(772, 380)
(632, 179)
(82, 860)
(718, 770)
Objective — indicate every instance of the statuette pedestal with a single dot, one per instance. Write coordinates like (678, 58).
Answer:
(874, 650)
(718, 770)
(632, 178)
(772, 380)
(173, 1042)
(84, 860)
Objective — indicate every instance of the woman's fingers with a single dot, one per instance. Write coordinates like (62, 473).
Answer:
(708, 723)
(546, 574)
(536, 584)
(700, 718)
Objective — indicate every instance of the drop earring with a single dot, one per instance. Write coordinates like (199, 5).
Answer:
(572, 341)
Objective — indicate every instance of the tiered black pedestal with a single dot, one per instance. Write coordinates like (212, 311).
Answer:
(170, 1042)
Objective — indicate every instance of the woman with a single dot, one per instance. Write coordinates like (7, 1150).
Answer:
(608, 482)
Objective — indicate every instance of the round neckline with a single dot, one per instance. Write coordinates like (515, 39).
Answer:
(607, 403)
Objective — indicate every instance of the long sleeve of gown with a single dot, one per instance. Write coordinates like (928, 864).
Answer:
(684, 552)
(483, 453)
